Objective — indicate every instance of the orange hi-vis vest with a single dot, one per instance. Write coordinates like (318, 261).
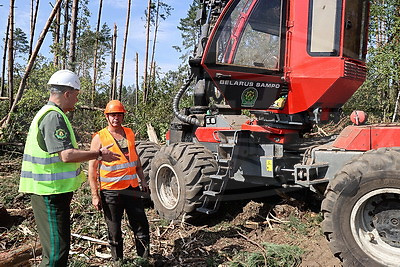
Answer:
(119, 174)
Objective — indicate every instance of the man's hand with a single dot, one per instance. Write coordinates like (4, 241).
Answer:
(108, 155)
(144, 186)
(96, 201)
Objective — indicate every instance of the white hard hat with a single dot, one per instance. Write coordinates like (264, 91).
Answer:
(65, 78)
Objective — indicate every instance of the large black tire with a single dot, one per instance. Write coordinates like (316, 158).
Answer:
(362, 210)
(146, 151)
(178, 175)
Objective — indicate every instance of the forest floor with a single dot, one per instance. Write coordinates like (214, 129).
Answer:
(270, 231)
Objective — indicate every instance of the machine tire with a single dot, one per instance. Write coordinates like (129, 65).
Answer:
(178, 175)
(360, 205)
(146, 151)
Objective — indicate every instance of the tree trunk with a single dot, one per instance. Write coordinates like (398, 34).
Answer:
(146, 55)
(115, 80)
(6, 120)
(95, 52)
(128, 14)
(137, 79)
(66, 22)
(113, 52)
(33, 24)
(153, 51)
(72, 39)
(3, 70)
(57, 37)
(11, 55)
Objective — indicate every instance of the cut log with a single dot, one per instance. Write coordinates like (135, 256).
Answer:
(20, 256)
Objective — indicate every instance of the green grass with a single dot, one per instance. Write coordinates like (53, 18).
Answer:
(273, 256)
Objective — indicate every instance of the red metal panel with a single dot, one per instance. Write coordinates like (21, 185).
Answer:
(354, 138)
(209, 134)
(385, 136)
(365, 138)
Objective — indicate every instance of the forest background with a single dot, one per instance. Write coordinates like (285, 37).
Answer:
(90, 52)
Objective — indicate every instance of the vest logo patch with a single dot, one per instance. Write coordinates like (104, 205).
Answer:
(60, 134)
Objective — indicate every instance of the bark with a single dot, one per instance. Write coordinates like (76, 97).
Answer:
(153, 51)
(396, 107)
(146, 55)
(72, 39)
(128, 14)
(34, 13)
(113, 52)
(57, 37)
(3, 70)
(95, 52)
(20, 256)
(115, 80)
(65, 32)
(11, 55)
(6, 120)
(137, 79)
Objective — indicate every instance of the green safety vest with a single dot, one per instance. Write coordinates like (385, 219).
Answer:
(44, 173)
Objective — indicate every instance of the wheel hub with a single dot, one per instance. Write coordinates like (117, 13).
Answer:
(387, 222)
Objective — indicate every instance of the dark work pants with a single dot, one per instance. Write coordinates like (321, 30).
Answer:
(114, 203)
(52, 216)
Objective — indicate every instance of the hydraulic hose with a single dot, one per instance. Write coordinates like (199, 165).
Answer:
(175, 105)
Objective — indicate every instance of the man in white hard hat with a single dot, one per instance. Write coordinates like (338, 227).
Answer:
(51, 169)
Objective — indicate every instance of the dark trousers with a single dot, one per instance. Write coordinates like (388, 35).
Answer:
(52, 216)
(114, 203)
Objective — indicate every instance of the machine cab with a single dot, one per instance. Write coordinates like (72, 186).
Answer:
(309, 54)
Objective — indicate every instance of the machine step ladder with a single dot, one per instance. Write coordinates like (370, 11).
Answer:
(213, 192)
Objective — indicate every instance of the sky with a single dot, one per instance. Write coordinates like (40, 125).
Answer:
(114, 11)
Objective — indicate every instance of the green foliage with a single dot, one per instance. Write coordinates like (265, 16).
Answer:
(297, 225)
(189, 31)
(273, 255)
(378, 95)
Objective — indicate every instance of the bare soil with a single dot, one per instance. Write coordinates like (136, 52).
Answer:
(217, 240)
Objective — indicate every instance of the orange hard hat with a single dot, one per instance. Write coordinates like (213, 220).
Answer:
(114, 106)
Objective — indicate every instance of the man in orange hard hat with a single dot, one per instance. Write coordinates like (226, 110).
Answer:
(118, 183)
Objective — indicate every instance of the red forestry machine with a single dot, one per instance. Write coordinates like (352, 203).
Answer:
(264, 73)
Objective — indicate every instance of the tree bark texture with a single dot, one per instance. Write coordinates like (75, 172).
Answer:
(34, 13)
(6, 120)
(65, 32)
(137, 79)
(72, 39)
(95, 52)
(146, 53)
(57, 36)
(113, 72)
(11, 54)
(121, 78)
(3, 69)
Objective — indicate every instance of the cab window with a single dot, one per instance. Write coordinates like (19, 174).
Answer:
(250, 35)
(324, 27)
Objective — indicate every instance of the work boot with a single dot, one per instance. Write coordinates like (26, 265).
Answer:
(117, 251)
(143, 247)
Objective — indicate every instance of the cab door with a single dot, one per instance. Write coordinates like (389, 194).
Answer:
(245, 53)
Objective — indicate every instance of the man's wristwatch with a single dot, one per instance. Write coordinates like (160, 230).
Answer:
(100, 156)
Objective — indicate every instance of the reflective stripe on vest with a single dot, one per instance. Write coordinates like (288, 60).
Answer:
(50, 176)
(119, 174)
(43, 173)
(43, 161)
(118, 166)
(118, 179)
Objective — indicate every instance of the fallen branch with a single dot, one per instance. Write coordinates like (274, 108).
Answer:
(264, 252)
(91, 239)
(11, 144)
(19, 256)
(90, 108)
